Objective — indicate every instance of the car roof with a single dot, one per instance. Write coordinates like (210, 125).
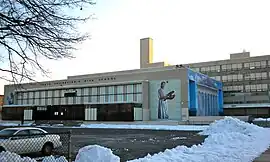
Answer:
(24, 128)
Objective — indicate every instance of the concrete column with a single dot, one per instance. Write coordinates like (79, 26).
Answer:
(145, 101)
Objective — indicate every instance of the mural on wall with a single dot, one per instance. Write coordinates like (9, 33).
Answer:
(165, 99)
(203, 79)
(10, 98)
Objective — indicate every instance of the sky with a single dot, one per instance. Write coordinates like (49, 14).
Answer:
(183, 31)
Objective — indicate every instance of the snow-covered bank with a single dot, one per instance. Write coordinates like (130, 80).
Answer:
(229, 140)
(12, 157)
(10, 124)
(262, 119)
(95, 153)
(118, 126)
(152, 127)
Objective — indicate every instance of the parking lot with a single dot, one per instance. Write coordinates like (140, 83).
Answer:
(130, 144)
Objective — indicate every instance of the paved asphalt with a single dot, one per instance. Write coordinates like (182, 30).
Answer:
(128, 143)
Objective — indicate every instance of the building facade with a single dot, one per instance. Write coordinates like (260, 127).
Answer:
(153, 92)
(246, 82)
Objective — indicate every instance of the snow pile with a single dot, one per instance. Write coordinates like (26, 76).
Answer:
(9, 156)
(53, 159)
(229, 124)
(96, 153)
(152, 127)
(229, 140)
(262, 119)
(7, 124)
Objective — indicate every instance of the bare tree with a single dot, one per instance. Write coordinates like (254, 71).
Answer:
(31, 30)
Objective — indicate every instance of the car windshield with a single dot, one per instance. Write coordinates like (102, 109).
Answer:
(7, 132)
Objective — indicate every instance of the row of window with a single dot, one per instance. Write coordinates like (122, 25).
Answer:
(256, 87)
(89, 91)
(240, 77)
(232, 67)
(248, 88)
(241, 102)
(82, 100)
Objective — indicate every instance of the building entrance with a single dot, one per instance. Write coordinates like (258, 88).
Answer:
(115, 112)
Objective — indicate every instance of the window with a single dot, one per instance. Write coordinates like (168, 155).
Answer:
(203, 69)
(241, 88)
(259, 87)
(247, 76)
(240, 77)
(224, 67)
(217, 68)
(252, 76)
(258, 76)
(235, 88)
(247, 88)
(234, 66)
(264, 87)
(234, 77)
(218, 78)
(253, 87)
(35, 131)
(257, 64)
(229, 67)
(225, 78)
(225, 88)
(207, 68)
(251, 65)
(264, 75)
(263, 64)
(239, 66)
(23, 132)
(246, 65)
(213, 68)
(7, 132)
(230, 77)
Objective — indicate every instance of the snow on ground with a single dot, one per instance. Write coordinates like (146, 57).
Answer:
(120, 126)
(229, 140)
(153, 127)
(262, 119)
(95, 153)
(9, 124)
(8, 157)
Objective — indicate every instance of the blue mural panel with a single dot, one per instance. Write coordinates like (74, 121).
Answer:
(204, 79)
(204, 103)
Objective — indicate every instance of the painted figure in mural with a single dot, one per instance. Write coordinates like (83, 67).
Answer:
(10, 99)
(162, 101)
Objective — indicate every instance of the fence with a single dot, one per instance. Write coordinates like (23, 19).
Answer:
(35, 145)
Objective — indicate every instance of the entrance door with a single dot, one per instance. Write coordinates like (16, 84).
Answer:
(27, 114)
(138, 114)
(90, 113)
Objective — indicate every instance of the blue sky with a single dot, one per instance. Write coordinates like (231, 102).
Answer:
(184, 31)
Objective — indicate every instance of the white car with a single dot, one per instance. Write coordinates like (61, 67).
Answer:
(23, 140)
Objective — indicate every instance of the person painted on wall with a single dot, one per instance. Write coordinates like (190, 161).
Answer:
(10, 99)
(162, 103)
